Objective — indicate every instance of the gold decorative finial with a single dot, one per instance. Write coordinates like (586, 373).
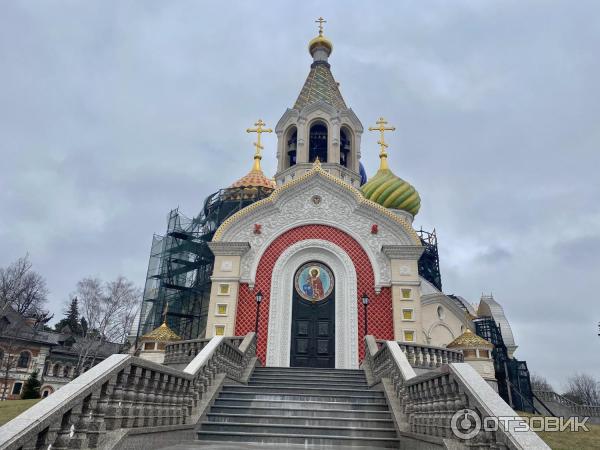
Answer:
(382, 129)
(320, 21)
(258, 130)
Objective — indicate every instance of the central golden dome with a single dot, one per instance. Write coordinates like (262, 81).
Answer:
(320, 41)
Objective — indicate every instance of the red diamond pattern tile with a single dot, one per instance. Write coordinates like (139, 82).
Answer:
(380, 307)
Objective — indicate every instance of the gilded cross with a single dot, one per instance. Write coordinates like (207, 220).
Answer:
(382, 129)
(258, 130)
(320, 21)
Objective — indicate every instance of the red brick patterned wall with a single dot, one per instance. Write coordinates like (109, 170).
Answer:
(380, 307)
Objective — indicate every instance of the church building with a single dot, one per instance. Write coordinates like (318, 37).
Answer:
(318, 256)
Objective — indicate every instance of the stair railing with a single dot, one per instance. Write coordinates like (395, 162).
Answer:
(431, 402)
(96, 409)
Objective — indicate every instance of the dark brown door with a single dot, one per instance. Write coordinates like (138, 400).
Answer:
(313, 317)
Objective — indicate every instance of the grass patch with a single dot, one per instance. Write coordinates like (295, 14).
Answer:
(9, 409)
(571, 440)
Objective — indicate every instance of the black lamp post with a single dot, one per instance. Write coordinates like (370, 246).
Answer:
(258, 300)
(365, 302)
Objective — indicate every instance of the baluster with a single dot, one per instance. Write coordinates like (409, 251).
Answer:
(98, 408)
(62, 432)
(113, 411)
(129, 397)
(80, 432)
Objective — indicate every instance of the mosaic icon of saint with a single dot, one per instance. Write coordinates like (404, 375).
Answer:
(316, 284)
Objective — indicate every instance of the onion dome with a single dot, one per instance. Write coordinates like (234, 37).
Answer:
(470, 340)
(255, 178)
(320, 41)
(390, 190)
(161, 334)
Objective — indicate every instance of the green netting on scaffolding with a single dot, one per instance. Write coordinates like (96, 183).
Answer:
(181, 264)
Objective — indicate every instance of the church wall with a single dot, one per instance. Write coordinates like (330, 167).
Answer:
(380, 322)
(223, 296)
(441, 323)
(406, 300)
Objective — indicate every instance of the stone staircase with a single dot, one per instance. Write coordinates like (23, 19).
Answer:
(311, 407)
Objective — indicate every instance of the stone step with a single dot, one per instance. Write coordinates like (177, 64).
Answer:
(299, 404)
(302, 412)
(306, 440)
(270, 396)
(312, 391)
(308, 371)
(309, 384)
(312, 379)
(300, 420)
(310, 430)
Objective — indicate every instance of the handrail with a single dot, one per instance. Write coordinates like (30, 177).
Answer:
(575, 408)
(431, 400)
(122, 392)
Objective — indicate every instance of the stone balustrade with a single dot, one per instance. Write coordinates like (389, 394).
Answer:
(179, 354)
(575, 409)
(123, 392)
(422, 356)
(429, 402)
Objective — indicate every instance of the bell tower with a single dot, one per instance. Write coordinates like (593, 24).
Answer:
(319, 125)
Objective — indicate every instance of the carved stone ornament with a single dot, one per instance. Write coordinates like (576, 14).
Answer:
(316, 199)
(292, 207)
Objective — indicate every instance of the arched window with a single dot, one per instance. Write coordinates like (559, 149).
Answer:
(1, 355)
(345, 147)
(66, 371)
(56, 371)
(47, 368)
(291, 146)
(318, 142)
(23, 361)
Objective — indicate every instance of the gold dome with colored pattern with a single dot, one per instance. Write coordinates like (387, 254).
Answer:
(470, 340)
(255, 178)
(161, 334)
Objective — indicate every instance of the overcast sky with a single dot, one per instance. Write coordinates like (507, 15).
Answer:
(114, 112)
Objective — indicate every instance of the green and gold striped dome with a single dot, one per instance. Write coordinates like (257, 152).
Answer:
(391, 191)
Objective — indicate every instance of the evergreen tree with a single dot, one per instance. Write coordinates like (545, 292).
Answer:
(71, 318)
(32, 387)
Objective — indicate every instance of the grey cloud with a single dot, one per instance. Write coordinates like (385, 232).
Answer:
(112, 113)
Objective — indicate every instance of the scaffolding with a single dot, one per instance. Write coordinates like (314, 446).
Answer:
(514, 384)
(429, 262)
(178, 282)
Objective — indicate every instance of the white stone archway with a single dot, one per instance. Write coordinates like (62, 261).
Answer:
(280, 305)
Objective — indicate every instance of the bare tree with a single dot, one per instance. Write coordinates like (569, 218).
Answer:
(539, 383)
(22, 288)
(108, 310)
(583, 389)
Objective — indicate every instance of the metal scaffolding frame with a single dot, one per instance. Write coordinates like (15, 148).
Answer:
(429, 262)
(178, 282)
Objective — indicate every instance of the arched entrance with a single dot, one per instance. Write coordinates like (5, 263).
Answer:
(313, 317)
(345, 301)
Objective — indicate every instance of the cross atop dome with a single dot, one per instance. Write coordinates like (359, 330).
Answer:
(381, 127)
(320, 47)
(320, 21)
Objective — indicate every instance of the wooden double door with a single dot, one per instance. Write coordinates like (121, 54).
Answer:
(313, 317)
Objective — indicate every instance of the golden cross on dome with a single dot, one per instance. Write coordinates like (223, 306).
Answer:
(320, 21)
(382, 129)
(258, 130)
